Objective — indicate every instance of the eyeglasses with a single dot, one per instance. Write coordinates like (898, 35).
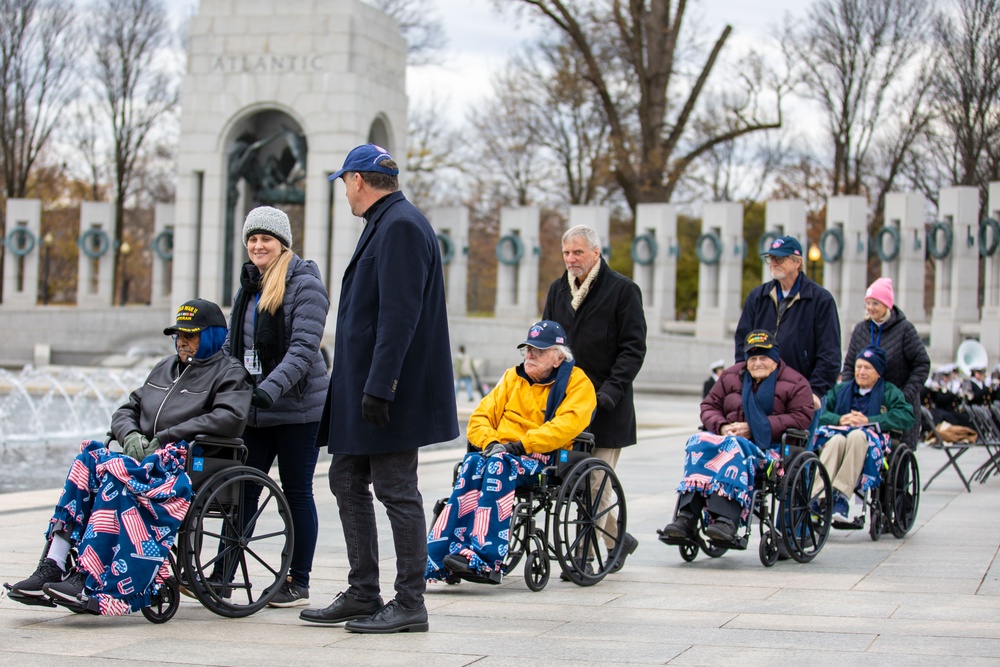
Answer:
(772, 259)
(186, 336)
(528, 351)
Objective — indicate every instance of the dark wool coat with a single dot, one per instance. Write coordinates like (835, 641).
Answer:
(907, 363)
(608, 337)
(392, 339)
(793, 404)
(808, 335)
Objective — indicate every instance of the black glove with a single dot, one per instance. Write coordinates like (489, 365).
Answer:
(515, 448)
(604, 401)
(261, 399)
(493, 449)
(375, 410)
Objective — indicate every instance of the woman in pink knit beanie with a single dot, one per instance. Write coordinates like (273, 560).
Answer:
(886, 326)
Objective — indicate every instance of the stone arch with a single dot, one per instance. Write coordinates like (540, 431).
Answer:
(380, 133)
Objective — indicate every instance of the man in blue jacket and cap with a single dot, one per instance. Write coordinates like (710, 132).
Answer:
(391, 393)
(802, 315)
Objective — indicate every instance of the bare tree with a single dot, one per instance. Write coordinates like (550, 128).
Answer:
(128, 35)
(967, 87)
(433, 157)
(419, 25)
(630, 54)
(849, 55)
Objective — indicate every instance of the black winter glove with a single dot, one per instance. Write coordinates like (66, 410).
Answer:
(261, 399)
(375, 410)
(604, 402)
(515, 448)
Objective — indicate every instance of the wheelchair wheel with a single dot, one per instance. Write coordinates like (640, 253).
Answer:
(878, 521)
(768, 550)
(164, 603)
(235, 557)
(803, 532)
(901, 492)
(537, 566)
(689, 551)
(579, 535)
(519, 539)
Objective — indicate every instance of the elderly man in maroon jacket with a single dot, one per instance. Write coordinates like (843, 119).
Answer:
(601, 311)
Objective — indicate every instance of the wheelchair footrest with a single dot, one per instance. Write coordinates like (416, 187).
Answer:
(857, 523)
(493, 578)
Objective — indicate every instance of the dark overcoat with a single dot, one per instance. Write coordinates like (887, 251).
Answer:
(808, 331)
(392, 339)
(608, 337)
(907, 363)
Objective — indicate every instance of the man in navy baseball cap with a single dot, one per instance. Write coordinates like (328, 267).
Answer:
(366, 158)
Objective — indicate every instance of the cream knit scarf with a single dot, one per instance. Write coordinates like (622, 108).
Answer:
(580, 292)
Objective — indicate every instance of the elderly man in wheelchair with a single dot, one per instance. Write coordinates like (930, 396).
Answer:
(753, 405)
(854, 434)
(536, 409)
(120, 512)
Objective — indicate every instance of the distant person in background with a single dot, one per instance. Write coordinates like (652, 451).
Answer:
(714, 372)
(463, 372)
(886, 327)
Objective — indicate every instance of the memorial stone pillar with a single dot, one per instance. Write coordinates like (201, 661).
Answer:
(720, 273)
(22, 249)
(163, 255)
(956, 275)
(517, 268)
(783, 217)
(95, 279)
(845, 248)
(451, 224)
(905, 215)
(990, 327)
(654, 266)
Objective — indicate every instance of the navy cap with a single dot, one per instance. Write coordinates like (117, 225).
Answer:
(197, 315)
(543, 335)
(760, 342)
(366, 158)
(783, 246)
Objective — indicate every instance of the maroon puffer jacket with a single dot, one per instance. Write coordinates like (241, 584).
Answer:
(793, 403)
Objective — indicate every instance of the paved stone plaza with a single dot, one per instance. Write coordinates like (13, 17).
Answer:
(932, 598)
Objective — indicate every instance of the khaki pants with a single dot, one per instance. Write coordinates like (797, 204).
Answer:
(844, 459)
(608, 524)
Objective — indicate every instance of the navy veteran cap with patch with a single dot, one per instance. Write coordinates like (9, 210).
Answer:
(196, 315)
(543, 335)
(783, 246)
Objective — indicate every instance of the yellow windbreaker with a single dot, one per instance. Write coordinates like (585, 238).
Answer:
(515, 410)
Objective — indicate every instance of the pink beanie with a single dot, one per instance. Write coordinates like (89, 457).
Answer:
(881, 290)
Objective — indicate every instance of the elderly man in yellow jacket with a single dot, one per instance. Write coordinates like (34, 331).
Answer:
(538, 407)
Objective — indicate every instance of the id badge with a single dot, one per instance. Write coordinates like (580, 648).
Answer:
(251, 362)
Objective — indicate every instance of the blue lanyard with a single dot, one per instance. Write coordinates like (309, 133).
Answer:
(876, 339)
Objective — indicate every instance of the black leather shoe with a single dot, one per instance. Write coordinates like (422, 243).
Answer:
(392, 618)
(343, 608)
(457, 564)
(721, 530)
(629, 544)
(680, 528)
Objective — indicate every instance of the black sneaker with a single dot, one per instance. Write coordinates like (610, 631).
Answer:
(682, 527)
(68, 590)
(721, 530)
(629, 544)
(290, 595)
(47, 572)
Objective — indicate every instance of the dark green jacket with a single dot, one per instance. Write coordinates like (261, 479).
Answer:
(896, 413)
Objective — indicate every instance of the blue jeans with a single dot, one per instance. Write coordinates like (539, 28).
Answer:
(465, 381)
(394, 479)
(295, 446)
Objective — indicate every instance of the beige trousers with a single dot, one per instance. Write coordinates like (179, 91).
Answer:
(608, 524)
(844, 459)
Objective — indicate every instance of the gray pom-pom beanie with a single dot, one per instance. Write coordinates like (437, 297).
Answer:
(268, 220)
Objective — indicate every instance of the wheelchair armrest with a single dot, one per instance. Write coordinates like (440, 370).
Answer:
(794, 434)
(584, 443)
(218, 447)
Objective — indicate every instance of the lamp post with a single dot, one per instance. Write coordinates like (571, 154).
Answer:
(47, 242)
(124, 249)
(814, 256)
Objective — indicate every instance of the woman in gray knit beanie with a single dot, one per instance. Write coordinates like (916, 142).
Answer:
(276, 327)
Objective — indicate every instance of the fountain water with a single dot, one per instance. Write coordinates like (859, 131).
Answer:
(46, 413)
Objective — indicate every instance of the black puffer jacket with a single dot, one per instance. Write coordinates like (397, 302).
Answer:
(907, 364)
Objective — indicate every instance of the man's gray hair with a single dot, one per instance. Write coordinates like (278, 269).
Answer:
(592, 238)
(565, 351)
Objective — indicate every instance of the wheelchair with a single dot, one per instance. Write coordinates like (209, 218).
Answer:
(233, 557)
(892, 505)
(781, 505)
(557, 519)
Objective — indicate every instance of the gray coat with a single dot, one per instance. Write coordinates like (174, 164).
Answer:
(298, 383)
(907, 364)
(208, 396)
